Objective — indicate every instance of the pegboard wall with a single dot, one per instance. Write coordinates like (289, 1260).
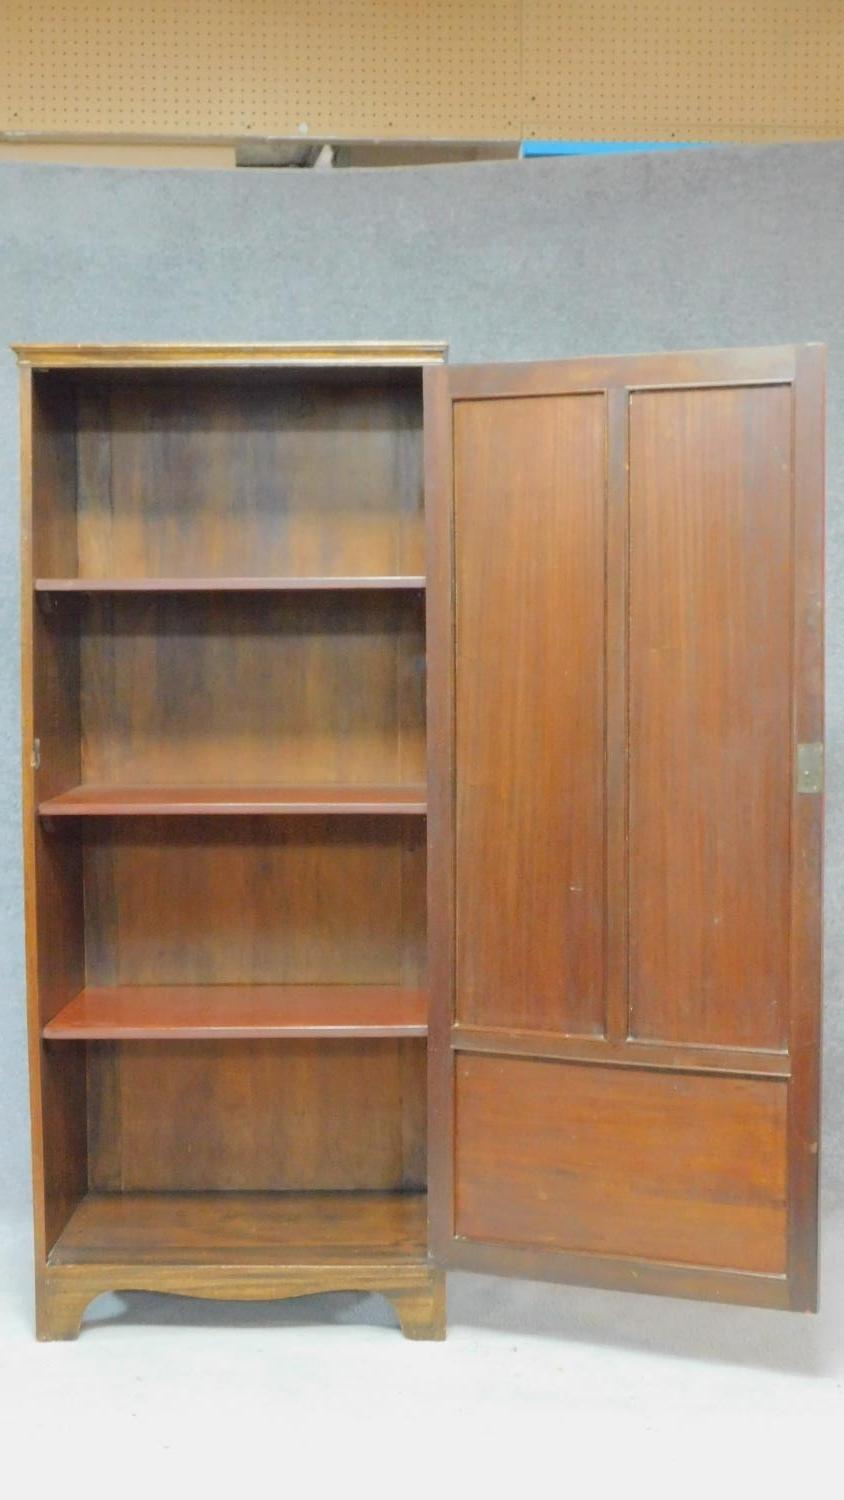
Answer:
(443, 69)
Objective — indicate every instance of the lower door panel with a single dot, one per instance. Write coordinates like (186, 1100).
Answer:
(622, 1161)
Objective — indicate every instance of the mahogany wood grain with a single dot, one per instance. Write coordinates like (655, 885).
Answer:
(770, 365)
(244, 1245)
(677, 1152)
(227, 614)
(349, 358)
(161, 1012)
(416, 1291)
(744, 1062)
(657, 1166)
(254, 901)
(294, 473)
(617, 711)
(807, 823)
(228, 611)
(529, 570)
(212, 1228)
(622, 1273)
(50, 758)
(256, 690)
(223, 585)
(710, 714)
(245, 801)
(263, 1116)
(440, 825)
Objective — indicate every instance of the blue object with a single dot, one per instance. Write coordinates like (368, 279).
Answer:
(603, 148)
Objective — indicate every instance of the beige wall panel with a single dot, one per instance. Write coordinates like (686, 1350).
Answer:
(685, 69)
(447, 68)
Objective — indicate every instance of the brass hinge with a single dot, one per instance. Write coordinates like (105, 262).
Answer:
(36, 755)
(810, 767)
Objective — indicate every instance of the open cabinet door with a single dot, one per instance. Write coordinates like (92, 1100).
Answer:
(625, 722)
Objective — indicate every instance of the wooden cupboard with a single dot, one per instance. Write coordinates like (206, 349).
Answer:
(264, 862)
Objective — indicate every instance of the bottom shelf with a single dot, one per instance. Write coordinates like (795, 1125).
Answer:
(267, 1229)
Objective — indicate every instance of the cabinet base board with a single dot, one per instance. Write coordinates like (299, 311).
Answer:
(243, 1247)
(417, 1293)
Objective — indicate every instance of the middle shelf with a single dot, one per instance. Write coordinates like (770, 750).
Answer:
(232, 1011)
(153, 801)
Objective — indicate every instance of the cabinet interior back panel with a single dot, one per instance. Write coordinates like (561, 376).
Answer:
(261, 474)
(710, 714)
(246, 900)
(530, 529)
(256, 1116)
(245, 689)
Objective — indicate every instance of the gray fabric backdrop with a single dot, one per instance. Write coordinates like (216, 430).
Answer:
(531, 260)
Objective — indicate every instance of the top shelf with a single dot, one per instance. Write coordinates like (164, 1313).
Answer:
(226, 585)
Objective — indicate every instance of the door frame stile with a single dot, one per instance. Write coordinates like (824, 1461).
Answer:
(806, 826)
(440, 649)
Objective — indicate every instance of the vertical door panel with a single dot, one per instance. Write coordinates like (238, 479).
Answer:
(625, 671)
(710, 714)
(529, 570)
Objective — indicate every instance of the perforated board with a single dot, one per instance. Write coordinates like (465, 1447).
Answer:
(683, 69)
(342, 68)
(437, 69)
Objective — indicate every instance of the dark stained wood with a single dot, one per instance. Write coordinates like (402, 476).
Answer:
(244, 1245)
(289, 473)
(254, 901)
(224, 585)
(772, 365)
(529, 569)
(677, 1152)
(52, 876)
(261, 1116)
(629, 1053)
(710, 709)
(657, 1166)
(617, 716)
(227, 616)
(622, 1274)
(440, 825)
(348, 359)
(201, 801)
(416, 1291)
(253, 690)
(209, 1228)
(147, 1013)
(806, 949)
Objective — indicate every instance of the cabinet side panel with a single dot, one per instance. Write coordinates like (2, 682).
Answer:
(529, 539)
(710, 714)
(50, 755)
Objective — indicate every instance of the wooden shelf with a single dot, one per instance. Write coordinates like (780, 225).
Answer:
(225, 585)
(183, 1012)
(153, 801)
(268, 1229)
